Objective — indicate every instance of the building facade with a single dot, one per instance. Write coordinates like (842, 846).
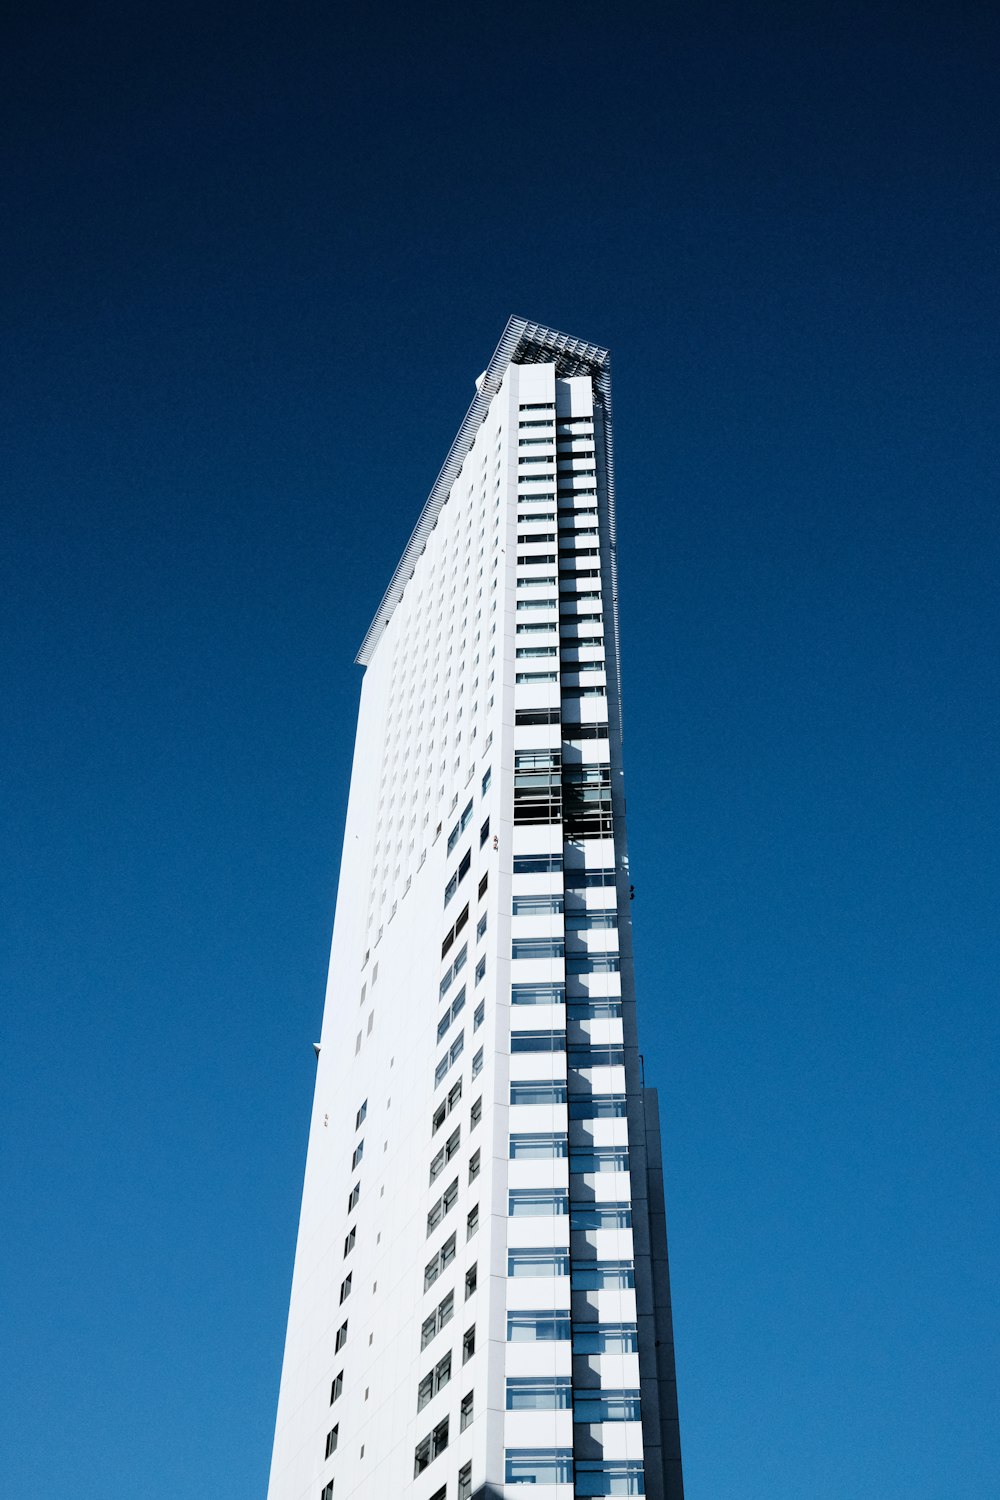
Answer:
(480, 1299)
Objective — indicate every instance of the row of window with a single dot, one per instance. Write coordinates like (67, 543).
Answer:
(589, 919)
(580, 1054)
(559, 1327)
(556, 1393)
(535, 1203)
(581, 1106)
(588, 1476)
(544, 1145)
(583, 1008)
(576, 963)
(585, 1276)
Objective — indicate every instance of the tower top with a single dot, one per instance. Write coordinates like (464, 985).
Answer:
(522, 343)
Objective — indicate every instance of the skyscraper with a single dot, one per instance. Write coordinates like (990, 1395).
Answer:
(480, 1299)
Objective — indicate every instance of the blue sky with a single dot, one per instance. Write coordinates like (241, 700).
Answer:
(253, 259)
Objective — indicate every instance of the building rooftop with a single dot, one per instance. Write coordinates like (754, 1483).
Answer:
(522, 343)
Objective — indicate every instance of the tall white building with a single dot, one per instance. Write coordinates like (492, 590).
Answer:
(480, 1299)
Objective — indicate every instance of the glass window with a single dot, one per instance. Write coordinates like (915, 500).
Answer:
(534, 1328)
(597, 1055)
(602, 1216)
(605, 1338)
(538, 1041)
(597, 1107)
(602, 963)
(539, 1466)
(609, 1477)
(606, 1406)
(538, 1263)
(537, 864)
(535, 1202)
(536, 948)
(533, 906)
(595, 1007)
(540, 1092)
(547, 1393)
(602, 1275)
(600, 1159)
(537, 1145)
(537, 994)
(593, 921)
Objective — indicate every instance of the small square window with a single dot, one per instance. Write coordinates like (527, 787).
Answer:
(471, 1280)
(468, 1344)
(465, 1412)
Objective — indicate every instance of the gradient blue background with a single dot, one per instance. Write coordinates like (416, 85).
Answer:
(253, 259)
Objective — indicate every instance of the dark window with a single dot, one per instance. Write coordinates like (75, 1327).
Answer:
(536, 716)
